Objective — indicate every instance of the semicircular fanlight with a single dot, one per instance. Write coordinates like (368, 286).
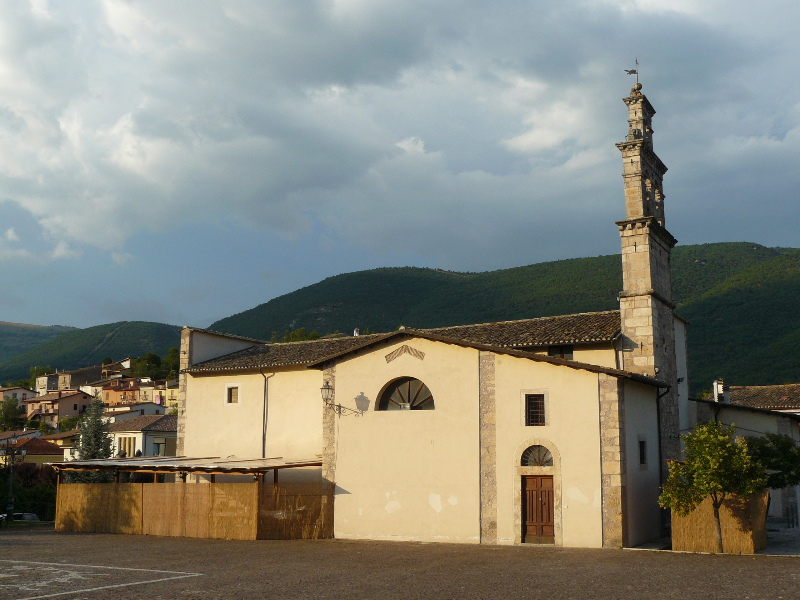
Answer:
(537, 456)
(406, 393)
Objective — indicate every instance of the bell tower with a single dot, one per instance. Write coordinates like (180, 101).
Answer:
(646, 307)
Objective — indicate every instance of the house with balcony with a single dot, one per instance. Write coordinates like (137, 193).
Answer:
(54, 406)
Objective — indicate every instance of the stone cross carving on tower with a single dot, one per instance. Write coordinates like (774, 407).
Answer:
(646, 308)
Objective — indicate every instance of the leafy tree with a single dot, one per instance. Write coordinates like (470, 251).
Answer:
(69, 423)
(106, 361)
(45, 428)
(298, 335)
(95, 440)
(147, 365)
(37, 372)
(780, 458)
(716, 466)
(11, 414)
(171, 363)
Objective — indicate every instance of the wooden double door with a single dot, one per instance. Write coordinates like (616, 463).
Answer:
(538, 503)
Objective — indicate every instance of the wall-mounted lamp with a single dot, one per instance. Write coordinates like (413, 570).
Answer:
(327, 395)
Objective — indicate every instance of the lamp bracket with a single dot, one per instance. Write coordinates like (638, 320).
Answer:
(343, 410)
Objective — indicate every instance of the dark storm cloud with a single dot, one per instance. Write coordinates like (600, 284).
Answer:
(482, 132)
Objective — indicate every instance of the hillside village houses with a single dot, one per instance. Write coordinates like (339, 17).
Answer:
(17, 393)
(50, 408)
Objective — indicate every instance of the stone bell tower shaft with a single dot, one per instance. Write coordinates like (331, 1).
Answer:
(646, 308)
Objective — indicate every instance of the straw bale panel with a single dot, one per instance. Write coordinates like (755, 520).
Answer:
(293, 512)
(743, 526)
(234, 510)
(163, 509)
(201, 510)
(196, 509)
(100, 508)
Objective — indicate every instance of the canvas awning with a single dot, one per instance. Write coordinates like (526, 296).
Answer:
(185, 464)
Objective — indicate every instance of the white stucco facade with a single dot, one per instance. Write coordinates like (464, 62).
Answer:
(416, 475)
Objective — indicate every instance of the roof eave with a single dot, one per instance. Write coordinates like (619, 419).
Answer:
(770, 411)
(500, 350)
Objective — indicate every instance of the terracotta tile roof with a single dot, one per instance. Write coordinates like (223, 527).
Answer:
(54, 397)
(524, 333)
(39, 446)
(18, 433)
(776, 397)
(545, 331)
(284, 354)
(61, 435)
(147, 423)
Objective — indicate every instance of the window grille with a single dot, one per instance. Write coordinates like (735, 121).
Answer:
(534, 410)
(537, 456)
(406, 393)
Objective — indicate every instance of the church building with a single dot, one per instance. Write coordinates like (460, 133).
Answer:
(551, 430)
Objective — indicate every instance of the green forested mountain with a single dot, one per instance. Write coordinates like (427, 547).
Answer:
(740, 299)
(85, 347)
(16, 338)
(746, 328)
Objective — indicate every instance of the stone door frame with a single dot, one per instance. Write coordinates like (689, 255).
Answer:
(555, 471)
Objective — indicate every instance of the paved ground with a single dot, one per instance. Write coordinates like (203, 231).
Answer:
(43, 564)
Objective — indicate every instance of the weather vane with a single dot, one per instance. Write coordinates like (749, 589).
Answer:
(634, 71)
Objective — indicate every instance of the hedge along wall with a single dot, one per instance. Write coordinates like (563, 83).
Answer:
(241, 511)
(744, 526)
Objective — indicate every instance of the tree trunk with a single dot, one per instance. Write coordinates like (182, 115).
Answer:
(716, 506)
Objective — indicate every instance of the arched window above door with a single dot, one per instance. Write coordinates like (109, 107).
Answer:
(406, 393)
(537, 456)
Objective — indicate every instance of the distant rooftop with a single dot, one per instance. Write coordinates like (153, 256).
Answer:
(775, 397)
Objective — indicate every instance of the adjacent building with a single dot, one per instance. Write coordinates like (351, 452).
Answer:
(145, 435)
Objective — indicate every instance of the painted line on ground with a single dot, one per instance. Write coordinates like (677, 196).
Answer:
(59, 564)
(174, 575)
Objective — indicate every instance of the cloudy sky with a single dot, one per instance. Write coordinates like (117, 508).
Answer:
(184, 161)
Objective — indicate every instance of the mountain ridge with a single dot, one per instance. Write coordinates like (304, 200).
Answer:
(704, 285)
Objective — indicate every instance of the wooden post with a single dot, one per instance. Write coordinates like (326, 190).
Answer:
(275, 477)
(116, 476)
(213, 478)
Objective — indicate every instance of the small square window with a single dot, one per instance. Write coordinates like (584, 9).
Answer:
(642, 452)
(233, 395)
(534, 410)
(74, 407)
